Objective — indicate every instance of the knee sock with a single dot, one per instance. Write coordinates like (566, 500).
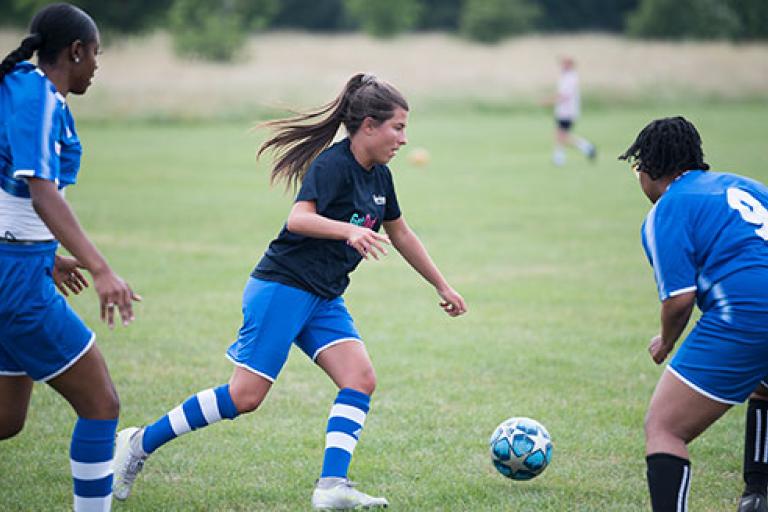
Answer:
(344, 426)
(583, 145)
(198, 411)
(669, 479)
(756, 447)
(90, 457)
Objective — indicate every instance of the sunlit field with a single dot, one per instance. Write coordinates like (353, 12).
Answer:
(562, 304)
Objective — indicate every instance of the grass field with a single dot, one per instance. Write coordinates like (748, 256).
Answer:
(562, 304)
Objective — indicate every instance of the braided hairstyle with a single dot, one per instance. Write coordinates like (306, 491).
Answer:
(296, 142)
(52, 29)
(667, 147)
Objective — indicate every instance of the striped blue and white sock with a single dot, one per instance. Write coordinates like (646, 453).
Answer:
(90, 457)
(198, 411)
(345, 424)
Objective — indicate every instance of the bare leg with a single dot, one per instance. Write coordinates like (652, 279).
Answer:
(247, 389)
(88, 387)
(677, 415)
(14, 402)
(349, 366)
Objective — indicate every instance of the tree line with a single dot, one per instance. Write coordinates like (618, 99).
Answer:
(216, 29)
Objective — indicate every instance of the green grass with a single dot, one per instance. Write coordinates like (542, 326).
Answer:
(562, 304)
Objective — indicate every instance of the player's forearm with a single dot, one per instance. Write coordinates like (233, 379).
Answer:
(414, 252)
(62, 222)
(317, 226)
(675, 313)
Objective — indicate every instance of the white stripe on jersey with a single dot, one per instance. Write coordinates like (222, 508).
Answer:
(650, 239)
(45, 154)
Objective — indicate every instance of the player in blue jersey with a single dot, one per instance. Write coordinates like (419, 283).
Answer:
(295, 292)
(706, 238)
(41, 337)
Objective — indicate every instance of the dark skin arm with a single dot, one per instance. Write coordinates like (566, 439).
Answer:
(62, 222)
(675, 313)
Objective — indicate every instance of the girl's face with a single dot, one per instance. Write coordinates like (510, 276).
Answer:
(384, 139)
(83, 71)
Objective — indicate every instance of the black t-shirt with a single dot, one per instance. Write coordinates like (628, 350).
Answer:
(342, 190)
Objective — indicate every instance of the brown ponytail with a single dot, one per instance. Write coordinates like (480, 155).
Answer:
(297, 141)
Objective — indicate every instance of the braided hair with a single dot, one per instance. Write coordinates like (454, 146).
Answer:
(296, 143)
(667, 147)
(52, 29)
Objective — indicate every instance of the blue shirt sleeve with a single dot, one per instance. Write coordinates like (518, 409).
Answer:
(34, 133)
(321, 184)
(669, 247)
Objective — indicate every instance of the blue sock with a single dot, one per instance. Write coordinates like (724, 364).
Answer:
(90, 457)
(344, 426)
(198, 411)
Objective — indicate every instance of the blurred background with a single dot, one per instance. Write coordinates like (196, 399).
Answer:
(187, 59)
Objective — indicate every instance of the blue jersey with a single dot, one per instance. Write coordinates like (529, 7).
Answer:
(706, 227)
(37, 132)
(342, 190)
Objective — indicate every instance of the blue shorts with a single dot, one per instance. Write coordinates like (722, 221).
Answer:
(40, 335)
(276, 315)
(725, 356)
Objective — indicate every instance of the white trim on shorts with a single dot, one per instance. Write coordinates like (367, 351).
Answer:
(341, 340)
(12, 374)
(72, 361)
(246, 367)
(699, 390)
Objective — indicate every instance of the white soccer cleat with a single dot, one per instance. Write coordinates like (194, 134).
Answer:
(127, 464)
(340, 494)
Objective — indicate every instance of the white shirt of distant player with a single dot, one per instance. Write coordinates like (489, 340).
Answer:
(19, 219)
(568, 104)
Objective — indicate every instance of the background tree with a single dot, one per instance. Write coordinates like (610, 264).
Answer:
(684, 19)
(126, 16)
(489, 21)
(753, 16)
(216, 29)
(384, 19)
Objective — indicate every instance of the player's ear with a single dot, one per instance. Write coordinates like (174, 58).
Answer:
(368, 125)
(76, 51)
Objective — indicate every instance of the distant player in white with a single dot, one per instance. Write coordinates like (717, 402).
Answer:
(567, 105)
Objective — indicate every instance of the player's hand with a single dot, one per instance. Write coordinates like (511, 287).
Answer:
(67, 275)
(659, 349)
(114, 293)
(368, 242)
(452, 302)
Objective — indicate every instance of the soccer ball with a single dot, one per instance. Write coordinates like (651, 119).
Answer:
(520, 448)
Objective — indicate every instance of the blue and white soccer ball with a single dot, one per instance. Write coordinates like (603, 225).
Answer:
(521, 448)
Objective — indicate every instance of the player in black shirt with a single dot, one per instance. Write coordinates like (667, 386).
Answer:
(294, 293)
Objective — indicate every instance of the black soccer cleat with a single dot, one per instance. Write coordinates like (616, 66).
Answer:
(753, 502)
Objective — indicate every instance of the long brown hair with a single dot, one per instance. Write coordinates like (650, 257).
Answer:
(297, 140)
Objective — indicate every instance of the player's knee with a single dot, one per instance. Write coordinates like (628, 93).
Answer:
(101, 406)
(364, 381)
(246, 401)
